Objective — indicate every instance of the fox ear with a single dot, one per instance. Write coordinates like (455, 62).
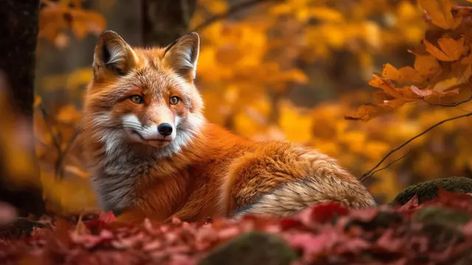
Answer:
(112, 55)
(182, 55)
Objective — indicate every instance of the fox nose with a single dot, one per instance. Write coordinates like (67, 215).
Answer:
(164, 129)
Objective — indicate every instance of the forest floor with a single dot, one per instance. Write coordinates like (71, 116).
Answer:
(438, 231)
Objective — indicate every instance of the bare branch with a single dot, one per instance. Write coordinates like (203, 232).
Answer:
(231, 11)
(372, 170)
(391, 163)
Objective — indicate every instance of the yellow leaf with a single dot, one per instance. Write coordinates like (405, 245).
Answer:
(295, 125)
(326, 14)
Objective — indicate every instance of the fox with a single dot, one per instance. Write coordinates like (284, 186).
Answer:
(152, 154)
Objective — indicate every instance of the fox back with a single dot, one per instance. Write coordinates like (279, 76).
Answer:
(153, 154)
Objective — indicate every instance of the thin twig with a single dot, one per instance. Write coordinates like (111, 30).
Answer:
(231, 11)
(372, 170)
(391, 163)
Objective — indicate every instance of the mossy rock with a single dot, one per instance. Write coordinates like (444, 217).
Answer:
(429, 189)
(253, 248)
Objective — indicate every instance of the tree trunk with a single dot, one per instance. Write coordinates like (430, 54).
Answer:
(165, 20)
(18, 31)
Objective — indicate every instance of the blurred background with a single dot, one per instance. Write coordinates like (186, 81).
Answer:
(287, 70)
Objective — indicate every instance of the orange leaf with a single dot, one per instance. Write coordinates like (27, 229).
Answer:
(383, 84)
(404, 75)
(409, 75)
(450, 85)
(390, 72)
(440, 13)
(426, 65)
(449, 49)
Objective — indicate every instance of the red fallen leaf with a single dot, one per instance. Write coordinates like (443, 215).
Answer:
(353, 245)
(409, 207)
(103, 220)
(313, 245)
(364, 215)
(288, 223)
(454, 200)
(90, 241)
(467, 229)
(152, 245)
(60, 236)
(388, 242)
(107, 217)
(181, 260)
(205, 237)
(327, 211)
(228, 233)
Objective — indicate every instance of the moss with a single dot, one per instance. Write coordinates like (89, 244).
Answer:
(429, 189)
(253, 248)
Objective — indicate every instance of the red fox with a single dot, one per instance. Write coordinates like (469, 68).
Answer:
(153, 155)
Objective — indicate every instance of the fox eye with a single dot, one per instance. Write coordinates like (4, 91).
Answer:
(137, 99)
(174, 100)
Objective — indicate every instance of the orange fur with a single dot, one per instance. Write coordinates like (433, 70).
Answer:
(210, 173)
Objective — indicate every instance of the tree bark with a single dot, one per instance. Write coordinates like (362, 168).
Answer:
(165, 20)
(18, 31)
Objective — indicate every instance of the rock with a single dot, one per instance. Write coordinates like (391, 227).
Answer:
(429, 189)
(253, 248)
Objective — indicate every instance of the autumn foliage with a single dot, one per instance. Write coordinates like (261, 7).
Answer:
(436, 232)
(293, 70)
(440, 74)
(383, 86)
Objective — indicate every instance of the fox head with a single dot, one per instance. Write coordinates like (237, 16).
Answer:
(144, 97)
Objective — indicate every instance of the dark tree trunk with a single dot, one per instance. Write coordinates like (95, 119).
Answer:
(18, 31)
(165, 20)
